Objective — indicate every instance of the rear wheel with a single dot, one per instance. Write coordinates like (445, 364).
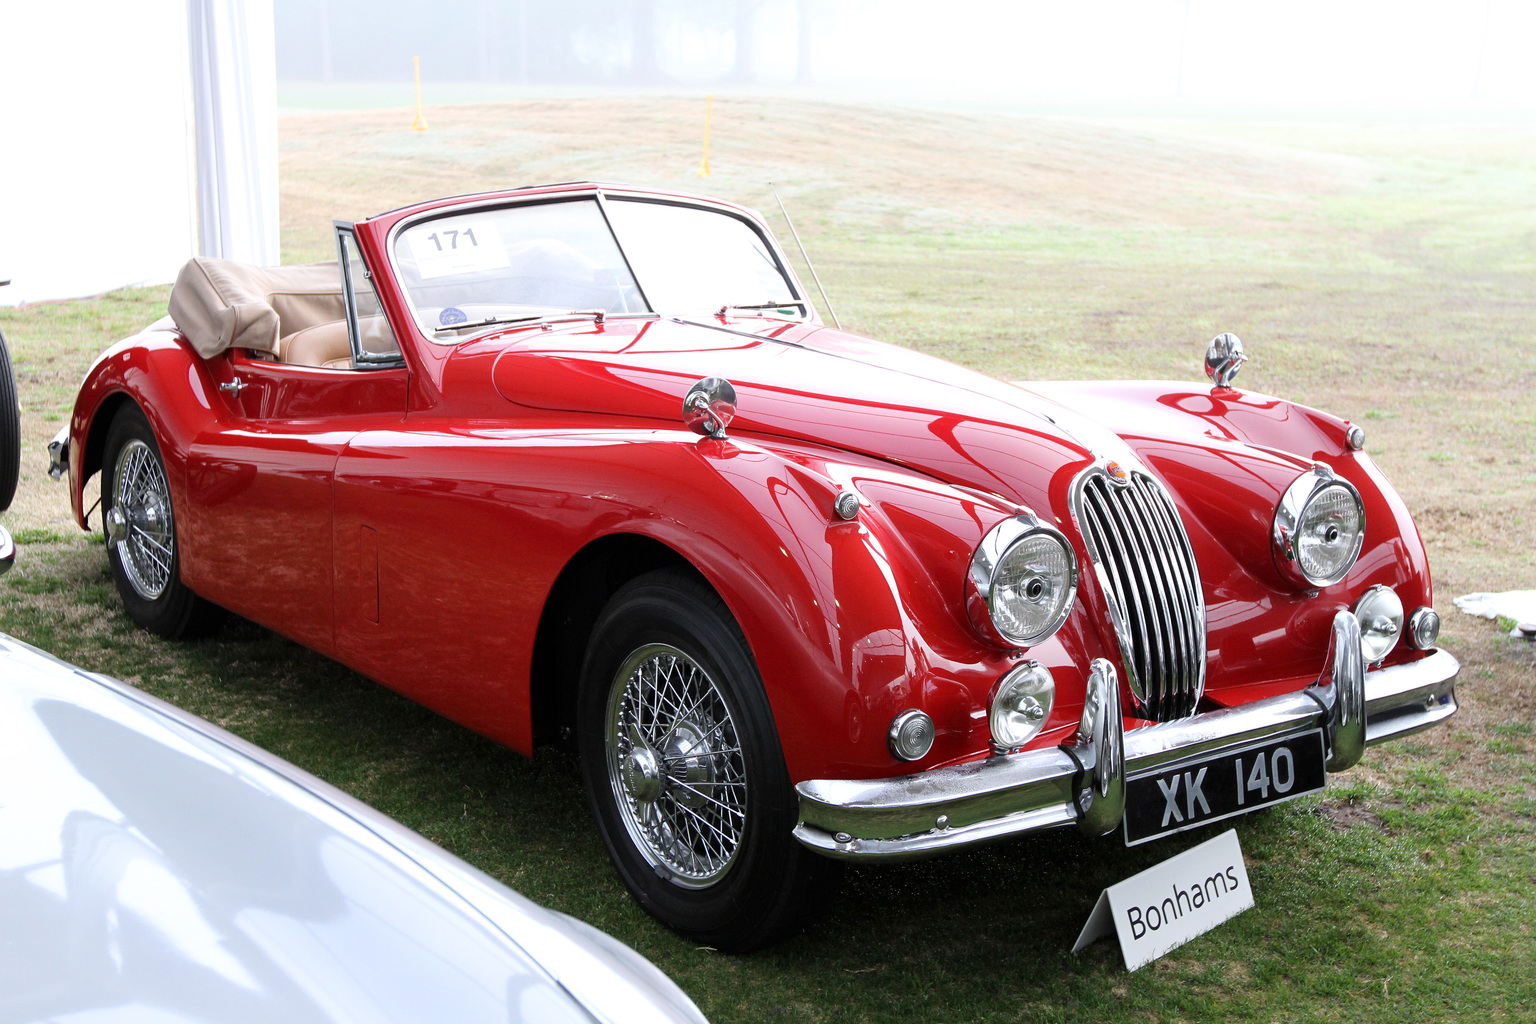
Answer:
(684, 771)
(141, 534)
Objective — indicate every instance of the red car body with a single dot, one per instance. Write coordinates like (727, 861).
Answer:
(434, 525)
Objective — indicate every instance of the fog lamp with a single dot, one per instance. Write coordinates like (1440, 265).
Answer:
(1021, 702)
(1423, 628)
(911, 735)
(1380, 613)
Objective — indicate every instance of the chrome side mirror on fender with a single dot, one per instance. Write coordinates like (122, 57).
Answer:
(1224, 356)
(709, 407)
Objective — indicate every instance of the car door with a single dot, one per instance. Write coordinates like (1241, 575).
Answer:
(260, 482)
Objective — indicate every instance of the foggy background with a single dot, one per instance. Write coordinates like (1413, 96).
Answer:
(1471, 54)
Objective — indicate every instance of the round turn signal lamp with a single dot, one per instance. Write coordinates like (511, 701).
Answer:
(1423, 628)
(911, 735)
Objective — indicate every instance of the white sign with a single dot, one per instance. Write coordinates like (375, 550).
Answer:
(1170, 903)
(456, 245)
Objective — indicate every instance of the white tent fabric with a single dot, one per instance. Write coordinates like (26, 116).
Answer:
(98, 167)
(234, 95)
(96, 174)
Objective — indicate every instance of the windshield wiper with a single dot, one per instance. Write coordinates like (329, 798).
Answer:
(596, 315)
(804, 309)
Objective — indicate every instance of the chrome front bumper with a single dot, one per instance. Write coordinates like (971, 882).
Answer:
(947, 808)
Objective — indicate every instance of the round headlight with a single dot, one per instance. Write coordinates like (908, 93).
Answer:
(1022, 581)
(1319, 528)
(1021, 702)
(1424, 628)
(1380, 612)
(911, 735)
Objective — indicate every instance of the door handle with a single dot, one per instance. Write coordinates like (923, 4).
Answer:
(233, 387)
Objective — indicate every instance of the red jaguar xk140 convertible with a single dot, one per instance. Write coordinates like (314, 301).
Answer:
(583, 462)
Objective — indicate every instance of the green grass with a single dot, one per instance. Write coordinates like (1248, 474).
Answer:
(1398, 295)
(1421, 908)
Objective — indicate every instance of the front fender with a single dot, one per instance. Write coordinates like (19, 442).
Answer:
(852, 622)
(1227, 455)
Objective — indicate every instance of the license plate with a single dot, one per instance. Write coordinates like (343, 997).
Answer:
(1195, 793)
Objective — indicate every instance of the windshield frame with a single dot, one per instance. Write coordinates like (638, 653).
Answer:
(602, 195)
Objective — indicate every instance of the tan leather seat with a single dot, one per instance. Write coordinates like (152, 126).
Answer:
(320, 345)
(327, 345)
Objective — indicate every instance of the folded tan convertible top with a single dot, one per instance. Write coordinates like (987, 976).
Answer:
(220, 304)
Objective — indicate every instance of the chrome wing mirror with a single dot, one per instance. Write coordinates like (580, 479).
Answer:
(1224, 356)
(709, 407)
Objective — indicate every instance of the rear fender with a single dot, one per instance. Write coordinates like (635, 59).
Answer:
(159, 373)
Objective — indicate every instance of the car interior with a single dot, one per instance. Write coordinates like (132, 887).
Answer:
(292, 314)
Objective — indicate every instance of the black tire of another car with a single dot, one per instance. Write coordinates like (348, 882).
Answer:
(145, 558)
(684, 771)
(10, 429)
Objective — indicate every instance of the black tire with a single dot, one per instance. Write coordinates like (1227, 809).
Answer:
(145, 559)
(10, 429)
(767, 885)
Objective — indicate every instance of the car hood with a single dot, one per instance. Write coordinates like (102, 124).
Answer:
(812, 384)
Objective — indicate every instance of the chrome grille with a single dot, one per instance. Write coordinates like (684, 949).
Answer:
(1146, 566)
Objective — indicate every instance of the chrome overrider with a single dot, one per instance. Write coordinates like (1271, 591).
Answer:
(945, 809)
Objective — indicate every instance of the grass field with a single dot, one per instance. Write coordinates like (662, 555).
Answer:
(1383, 272)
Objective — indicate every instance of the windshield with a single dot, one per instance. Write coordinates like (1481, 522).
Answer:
(691, 260)
(531, 261)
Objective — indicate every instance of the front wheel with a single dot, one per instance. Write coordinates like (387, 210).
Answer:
(141, 534)
(684, 771)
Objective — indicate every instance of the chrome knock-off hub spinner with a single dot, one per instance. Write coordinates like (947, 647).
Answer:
(642, 775)
(690, 764)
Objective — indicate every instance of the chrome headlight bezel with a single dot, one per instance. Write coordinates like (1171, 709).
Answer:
(981, 580)
(1291, 515)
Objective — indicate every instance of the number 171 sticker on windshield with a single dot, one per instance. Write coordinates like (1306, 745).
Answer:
(1198, 792)
(442, 248)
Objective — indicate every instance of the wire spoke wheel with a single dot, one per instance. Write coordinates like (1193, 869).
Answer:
(675, 765)
(142, 546)
(684, 769)
(141, 520)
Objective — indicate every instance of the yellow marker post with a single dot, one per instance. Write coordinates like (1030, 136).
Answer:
(420, 124)
(709, 106)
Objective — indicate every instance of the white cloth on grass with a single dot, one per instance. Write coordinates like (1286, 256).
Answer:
(1519, 605)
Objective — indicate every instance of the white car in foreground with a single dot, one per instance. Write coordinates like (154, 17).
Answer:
(155, 868)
